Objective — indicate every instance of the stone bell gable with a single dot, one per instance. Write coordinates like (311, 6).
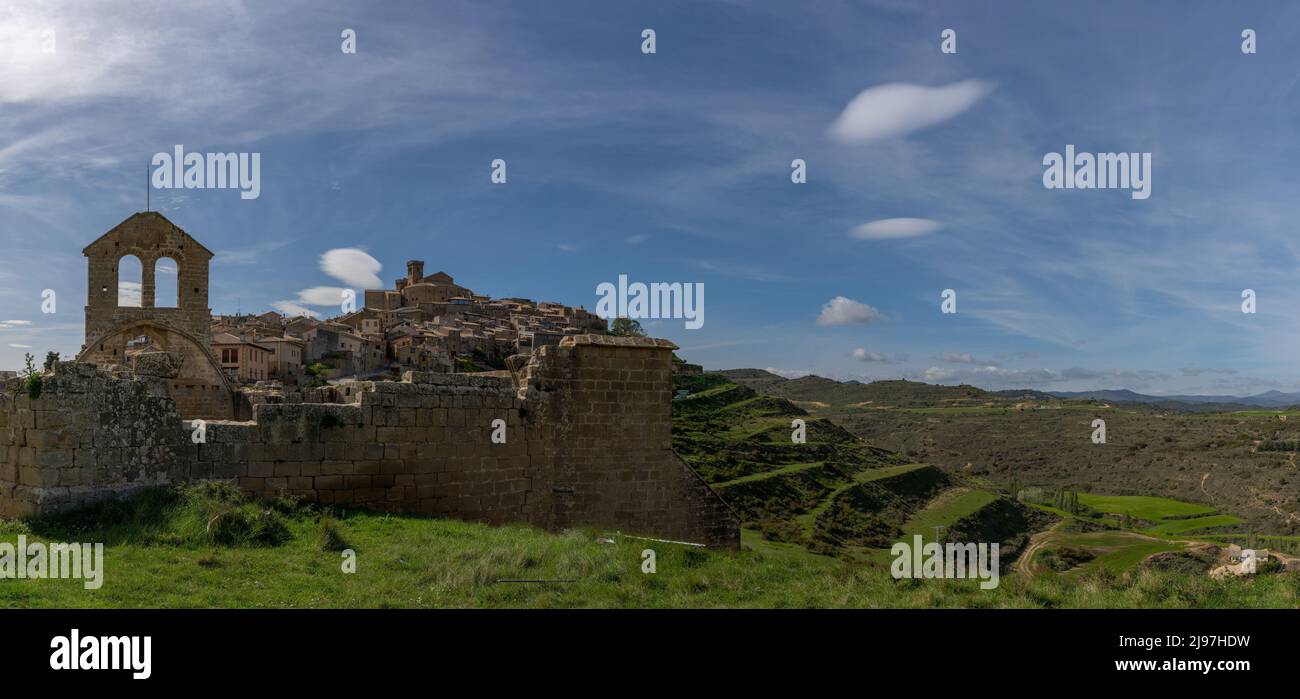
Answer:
(153, 239)
(116, 332)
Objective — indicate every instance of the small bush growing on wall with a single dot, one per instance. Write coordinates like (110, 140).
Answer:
(31, 378)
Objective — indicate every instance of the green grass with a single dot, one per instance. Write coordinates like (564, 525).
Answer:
(948, 512)
(763, 475)
(417, 562)
(1142, 506)
(808, 520)
(1172, 527)
(1129, 556)
(1115, 551)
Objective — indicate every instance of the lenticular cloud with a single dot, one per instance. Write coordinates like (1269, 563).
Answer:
(355, 268)
(896, 109)
(888, 228)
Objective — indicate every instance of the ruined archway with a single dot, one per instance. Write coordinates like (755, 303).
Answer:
(200, 388)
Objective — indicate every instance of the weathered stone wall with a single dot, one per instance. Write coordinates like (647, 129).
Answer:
(607, 449)
(86, 437)
(587, 443)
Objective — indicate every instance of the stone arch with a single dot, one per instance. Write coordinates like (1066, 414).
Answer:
(129, 288)
(167, 282)
(200, 388)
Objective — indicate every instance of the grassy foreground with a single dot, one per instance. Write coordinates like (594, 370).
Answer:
(206, 547)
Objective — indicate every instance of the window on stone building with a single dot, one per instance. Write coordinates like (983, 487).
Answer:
(166, 283)
(130, 281)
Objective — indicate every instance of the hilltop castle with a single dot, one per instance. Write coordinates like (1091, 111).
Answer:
(587, 418)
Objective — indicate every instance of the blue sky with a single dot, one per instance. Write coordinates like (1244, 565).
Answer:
(675, 167)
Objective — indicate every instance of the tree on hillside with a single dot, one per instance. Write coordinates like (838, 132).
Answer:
(1068, 500)
(626, 327)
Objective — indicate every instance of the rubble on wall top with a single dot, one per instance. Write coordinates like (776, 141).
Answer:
(618, 341)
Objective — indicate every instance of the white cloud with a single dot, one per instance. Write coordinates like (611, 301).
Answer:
(5, 324)
(842, 310)
(900, 108)
(353, 267)
(289, 308)
(15, 345)
(888, 228)
(321, 296)
(862, 355)
(789, 373)
(129, 293)
(636, 239)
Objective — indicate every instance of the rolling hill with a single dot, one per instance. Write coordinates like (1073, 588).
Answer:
(834, 494)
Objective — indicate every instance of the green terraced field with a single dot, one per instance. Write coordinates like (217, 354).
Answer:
(833, 495)
(808, 520)
(1142, 506)
(1115, 551)
(950, 510)
(782, 471)
(1182, 526)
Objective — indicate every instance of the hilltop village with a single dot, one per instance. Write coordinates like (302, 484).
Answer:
(459, 405)
(425, 323)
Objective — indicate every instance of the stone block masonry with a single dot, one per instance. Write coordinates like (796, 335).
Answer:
(588, 442)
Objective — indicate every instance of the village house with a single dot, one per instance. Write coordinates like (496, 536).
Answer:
(243, 361)
(287, 363)
(425, 322)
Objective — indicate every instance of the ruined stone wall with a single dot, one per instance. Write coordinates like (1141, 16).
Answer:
(407, 447)
(86, 437)
(587, 443)
(607, 452)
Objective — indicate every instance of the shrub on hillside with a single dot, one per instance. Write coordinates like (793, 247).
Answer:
(212, 513)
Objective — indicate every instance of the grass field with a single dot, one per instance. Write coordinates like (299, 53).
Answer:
(1142, 507)
(808, 520)
(948, 510)
(155, 557)
(1173, 527)
(1115, 550)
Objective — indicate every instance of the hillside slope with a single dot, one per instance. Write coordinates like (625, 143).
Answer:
(833, 494)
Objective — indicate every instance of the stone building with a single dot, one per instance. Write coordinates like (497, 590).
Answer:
(244, 361)
(113, 330)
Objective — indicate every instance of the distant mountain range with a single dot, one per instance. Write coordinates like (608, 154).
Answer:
(817, 389)
(1268, 399)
